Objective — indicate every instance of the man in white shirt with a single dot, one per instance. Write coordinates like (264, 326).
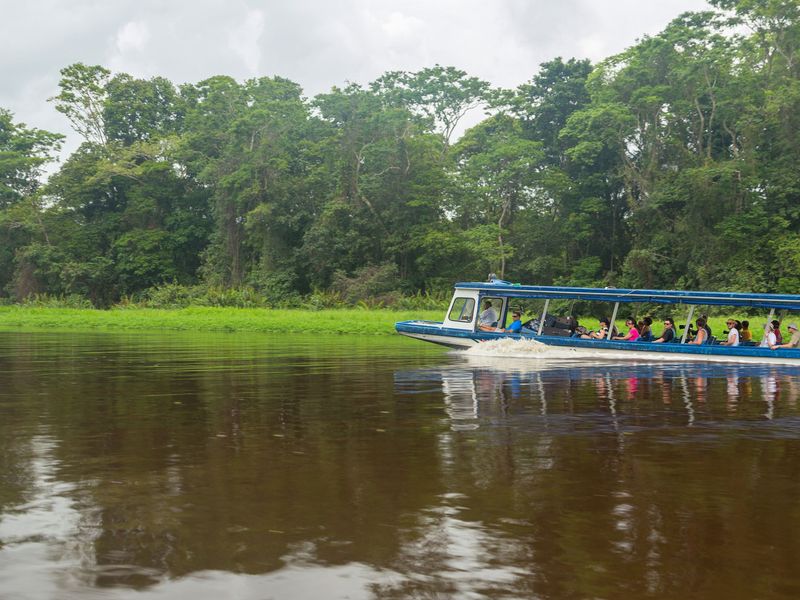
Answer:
(488, 318)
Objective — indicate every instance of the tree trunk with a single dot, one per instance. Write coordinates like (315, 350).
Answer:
(500, 239)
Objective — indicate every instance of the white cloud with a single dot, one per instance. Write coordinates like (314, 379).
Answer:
(128, 51)
(317, 43)
(244, 40)
(593, 46)
(399, 26)
(133, 36)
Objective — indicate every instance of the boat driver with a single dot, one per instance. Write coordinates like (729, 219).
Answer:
(488, 318)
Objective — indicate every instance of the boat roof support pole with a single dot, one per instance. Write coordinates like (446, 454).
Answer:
(613, 318)
(544, 314)
(688, 324)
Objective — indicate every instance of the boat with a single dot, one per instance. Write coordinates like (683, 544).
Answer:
(460, 329)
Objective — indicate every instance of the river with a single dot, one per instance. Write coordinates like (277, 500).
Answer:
(291, 467)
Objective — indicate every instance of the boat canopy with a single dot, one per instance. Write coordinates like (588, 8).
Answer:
(513, 290)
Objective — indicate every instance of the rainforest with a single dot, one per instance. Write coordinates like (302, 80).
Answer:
(674, 164)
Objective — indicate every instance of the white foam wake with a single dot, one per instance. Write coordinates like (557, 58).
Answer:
(513, 348)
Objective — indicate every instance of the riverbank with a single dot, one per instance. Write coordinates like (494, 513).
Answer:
(255, 320)
(361, 321)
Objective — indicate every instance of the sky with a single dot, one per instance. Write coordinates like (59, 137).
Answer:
(316, 43)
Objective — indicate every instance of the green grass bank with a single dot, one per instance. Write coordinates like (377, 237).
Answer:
(361, 321)
(255, 320)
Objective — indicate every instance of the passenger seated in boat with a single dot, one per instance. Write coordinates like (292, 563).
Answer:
(776, 329)
(668, 334)
(769, 339)
(702, 333)
(794, 341)
(744, 333)
(646, 330)
(706, 326)
(488, 318)
(601, 333)
(633, 333)
(516, 324)
(733, 333)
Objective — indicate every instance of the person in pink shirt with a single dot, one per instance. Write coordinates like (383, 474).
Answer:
(633, 333)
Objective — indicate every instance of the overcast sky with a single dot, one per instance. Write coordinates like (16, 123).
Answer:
(316, 43)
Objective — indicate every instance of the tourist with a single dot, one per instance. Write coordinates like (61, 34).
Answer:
(633, 333)
(733, 334)
(776, 328)
(769, 337)
(706, 326)
(600, 334)
(744, 333)
(702, 333)
(668, 334)
(794, 341)
(646, 330)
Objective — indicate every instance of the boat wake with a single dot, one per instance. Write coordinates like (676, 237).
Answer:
(526, 350)
(514, 354)
(513, 348)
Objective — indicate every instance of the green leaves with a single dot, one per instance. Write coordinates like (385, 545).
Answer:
(787, 254)
(441, 95)
(82, 100)
(675, 162)
(23, 152)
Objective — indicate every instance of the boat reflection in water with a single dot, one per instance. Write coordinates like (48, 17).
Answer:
(622, 479)
(479, 388)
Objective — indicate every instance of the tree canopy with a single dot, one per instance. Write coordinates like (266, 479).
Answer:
(672, 164)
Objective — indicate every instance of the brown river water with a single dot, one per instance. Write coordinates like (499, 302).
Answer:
(253, 466)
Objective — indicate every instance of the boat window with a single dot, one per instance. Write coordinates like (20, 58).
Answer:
(463, 309)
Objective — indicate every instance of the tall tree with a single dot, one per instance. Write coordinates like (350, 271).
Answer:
(140, 110)
(442, 95)
(82, 100)
(24, 152)
(388, 180)
(498, 170)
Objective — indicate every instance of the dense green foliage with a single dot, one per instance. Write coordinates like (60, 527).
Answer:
(674, 164)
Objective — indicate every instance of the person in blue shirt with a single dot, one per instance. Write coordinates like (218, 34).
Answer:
(516, 324)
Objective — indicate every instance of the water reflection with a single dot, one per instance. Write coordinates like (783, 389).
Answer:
(626, 468)
(480, 386)
(268, 467)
